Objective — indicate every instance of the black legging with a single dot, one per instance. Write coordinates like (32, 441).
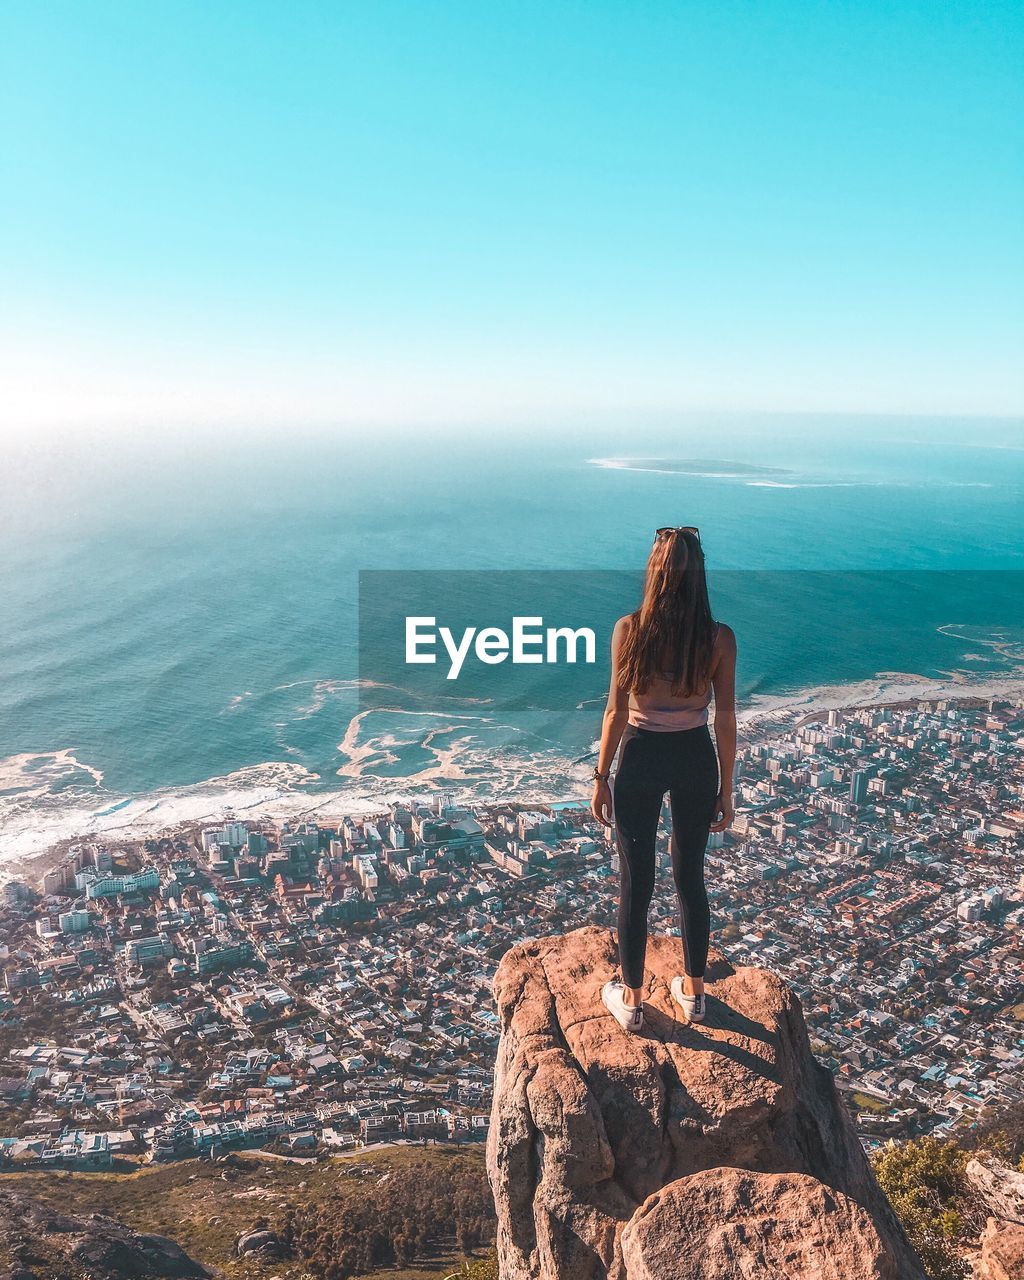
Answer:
(684, 764)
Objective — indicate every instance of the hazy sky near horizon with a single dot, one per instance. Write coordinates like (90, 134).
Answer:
(462, 211)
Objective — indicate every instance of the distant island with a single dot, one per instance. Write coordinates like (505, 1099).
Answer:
(706, 468)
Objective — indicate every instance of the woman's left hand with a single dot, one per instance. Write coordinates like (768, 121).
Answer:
(601, 802)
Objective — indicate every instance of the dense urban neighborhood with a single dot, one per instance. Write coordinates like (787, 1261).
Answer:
(306, 987)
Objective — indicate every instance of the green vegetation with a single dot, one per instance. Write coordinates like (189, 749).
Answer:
(348, 1202)
(865, 1102)
(925, 1181)
(482, 1269)
(411, 1211)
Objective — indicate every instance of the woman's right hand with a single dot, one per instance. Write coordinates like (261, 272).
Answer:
(724, 812)
(601, 802)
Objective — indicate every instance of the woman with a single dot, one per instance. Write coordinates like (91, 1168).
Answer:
(667, 658)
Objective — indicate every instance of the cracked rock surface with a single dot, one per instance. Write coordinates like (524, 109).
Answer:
(1002, 1251)
(589, 1122)
(1001, 1190)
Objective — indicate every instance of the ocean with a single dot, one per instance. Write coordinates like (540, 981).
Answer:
(181, 630)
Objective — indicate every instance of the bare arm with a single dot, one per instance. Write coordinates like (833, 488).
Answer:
(616, 714)
(723, 681)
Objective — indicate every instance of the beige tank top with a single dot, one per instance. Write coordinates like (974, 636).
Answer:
(665, 712)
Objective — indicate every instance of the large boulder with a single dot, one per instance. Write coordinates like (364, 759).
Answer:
(268, 1244)
(730, 1222)
(589, 1122)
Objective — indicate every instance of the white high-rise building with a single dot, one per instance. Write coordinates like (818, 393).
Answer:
(74, 921)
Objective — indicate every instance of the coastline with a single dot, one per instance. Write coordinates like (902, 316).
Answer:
(29, 852)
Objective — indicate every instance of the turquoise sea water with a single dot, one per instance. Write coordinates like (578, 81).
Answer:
(180, 630)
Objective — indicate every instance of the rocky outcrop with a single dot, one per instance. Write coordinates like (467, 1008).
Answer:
(37, 1244)
(617, 1157)
(1000, 1192)
(1002, 1251)
(999, 1188)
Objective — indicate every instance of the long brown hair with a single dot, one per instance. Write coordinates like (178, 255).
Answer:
(672, 633)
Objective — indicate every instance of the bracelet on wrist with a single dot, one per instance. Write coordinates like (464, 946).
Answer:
(601, 777)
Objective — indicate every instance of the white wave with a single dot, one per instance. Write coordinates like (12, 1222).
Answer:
(323, 689)
(35, 819)
(351, 746)
(1009, 648)
(36, 772)
(333, 685)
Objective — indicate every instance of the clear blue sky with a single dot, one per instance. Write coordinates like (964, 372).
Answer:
(369, 211)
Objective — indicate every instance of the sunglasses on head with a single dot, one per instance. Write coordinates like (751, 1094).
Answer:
(682, 528)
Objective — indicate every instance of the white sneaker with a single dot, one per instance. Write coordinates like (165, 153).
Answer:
(694, 1007)
(629, 1017)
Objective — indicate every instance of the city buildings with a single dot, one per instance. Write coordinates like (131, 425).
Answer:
(323, 984)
